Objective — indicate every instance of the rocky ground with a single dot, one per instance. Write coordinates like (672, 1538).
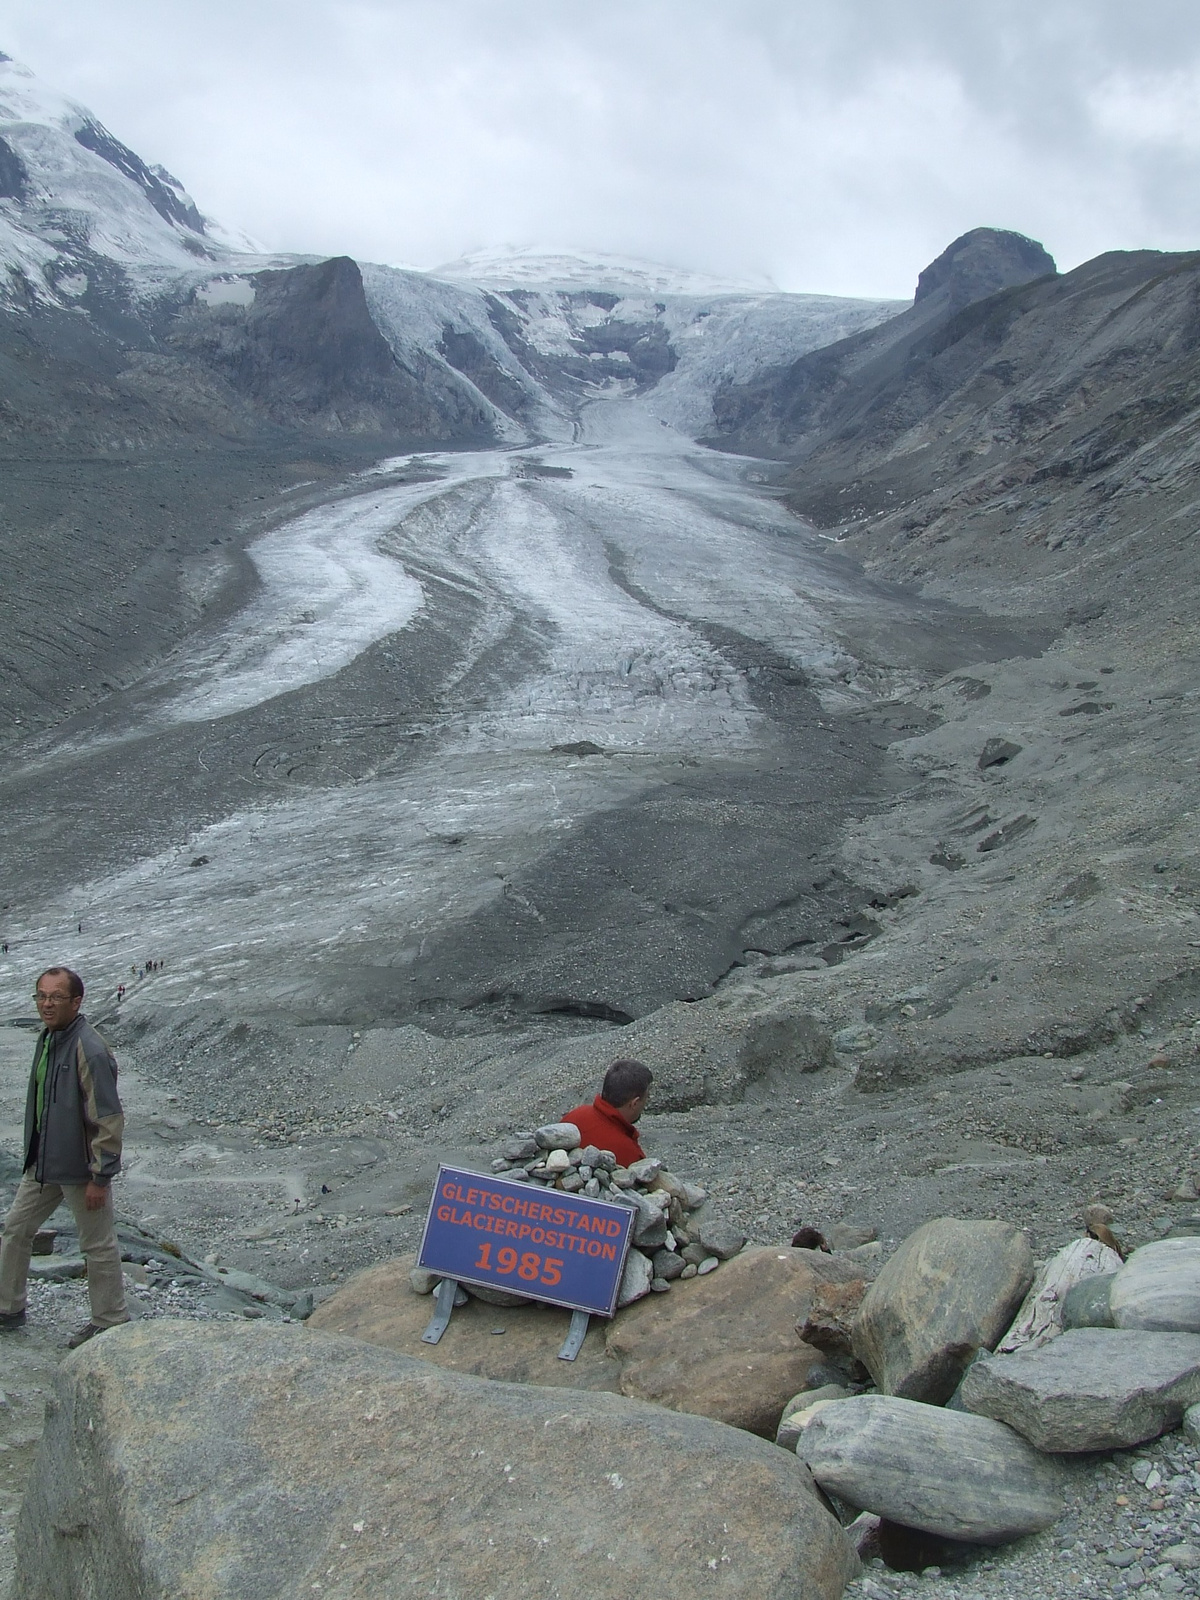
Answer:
(1117, 1537)
(985, 1005)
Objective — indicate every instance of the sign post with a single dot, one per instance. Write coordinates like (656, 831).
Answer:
(544, 1244)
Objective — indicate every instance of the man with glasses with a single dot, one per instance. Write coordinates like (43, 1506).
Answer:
(73, 1130)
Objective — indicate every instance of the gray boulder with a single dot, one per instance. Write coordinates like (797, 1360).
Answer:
(1090, 1389)
(668, 1264)
(650, 1226)
(1158, 1288)
(720, 1238)
(950, 1290)
(636, 1278)
(252, 1462)
(518, 1149)
(557, 1136)
(57, 1269)
(945, 1472)
(1086, 1304)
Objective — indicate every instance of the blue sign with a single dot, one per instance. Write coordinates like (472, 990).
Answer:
(543, 1243)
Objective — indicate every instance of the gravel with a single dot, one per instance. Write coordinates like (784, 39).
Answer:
(1116, 1538)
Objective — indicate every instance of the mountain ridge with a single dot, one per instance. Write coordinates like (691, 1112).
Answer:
(87, 226)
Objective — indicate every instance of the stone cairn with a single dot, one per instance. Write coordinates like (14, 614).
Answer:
(673, 1236)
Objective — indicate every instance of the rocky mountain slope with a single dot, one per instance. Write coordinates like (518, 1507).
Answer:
(1034, 447)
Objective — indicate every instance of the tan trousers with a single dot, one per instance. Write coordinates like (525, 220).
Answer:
(34, 1202)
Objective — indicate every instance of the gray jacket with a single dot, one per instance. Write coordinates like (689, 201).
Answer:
(82, 1122)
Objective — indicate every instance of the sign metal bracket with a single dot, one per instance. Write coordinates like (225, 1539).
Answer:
(444, 1297)
(576, 1334)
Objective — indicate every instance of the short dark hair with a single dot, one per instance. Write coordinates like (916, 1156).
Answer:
(624, 1081)
(74, 981)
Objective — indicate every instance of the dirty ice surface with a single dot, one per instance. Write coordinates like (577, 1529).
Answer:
(615, 562)
(326, 592)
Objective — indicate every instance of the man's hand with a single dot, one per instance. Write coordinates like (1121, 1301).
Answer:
(95, 1196)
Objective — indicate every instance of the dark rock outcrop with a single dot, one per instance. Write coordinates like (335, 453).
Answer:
(981, 263)
(165, 193)
(308, 354)
(843, 392)
(14, 179)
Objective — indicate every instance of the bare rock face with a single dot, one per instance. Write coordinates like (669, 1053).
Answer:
(981, 263)
(307, 353)
(1159, 1288)
(725, 1345)
(1090, 1389)
(945, 1472)
(950, 1290)
(250, 1462)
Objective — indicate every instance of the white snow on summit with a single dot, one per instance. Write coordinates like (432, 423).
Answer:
(70, 193)
(530, 267)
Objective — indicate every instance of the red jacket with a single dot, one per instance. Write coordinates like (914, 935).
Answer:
(604, 1126)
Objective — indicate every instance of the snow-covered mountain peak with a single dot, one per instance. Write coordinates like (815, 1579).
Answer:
(529, 267)
(25, 98)
(76, 202)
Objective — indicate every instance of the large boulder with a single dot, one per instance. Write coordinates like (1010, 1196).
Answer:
(950, 1290)
(518, 1344)
(1158, 1288)
(184, 1461)
(945, 1472)
(1089, 1389)
(725, 1345)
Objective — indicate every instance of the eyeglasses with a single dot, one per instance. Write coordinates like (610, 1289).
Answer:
(52, 999)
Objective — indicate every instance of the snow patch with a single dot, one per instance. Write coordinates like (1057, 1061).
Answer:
(226, 292)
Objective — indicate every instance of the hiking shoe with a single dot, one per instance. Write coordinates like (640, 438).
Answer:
(10, 1320)
(82, 1335)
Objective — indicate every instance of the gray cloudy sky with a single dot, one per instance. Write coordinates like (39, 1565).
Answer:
(832, 145)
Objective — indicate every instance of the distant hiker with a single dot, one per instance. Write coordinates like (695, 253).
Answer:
(5, 947)
(120, 993)
(608, 1122)
(73, 1132)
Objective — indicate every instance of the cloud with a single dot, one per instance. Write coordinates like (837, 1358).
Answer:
(832, 145)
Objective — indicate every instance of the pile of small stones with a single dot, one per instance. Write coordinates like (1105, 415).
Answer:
(670, 1236)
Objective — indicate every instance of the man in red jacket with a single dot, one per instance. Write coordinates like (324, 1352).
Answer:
(608, 1122)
